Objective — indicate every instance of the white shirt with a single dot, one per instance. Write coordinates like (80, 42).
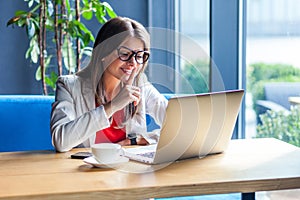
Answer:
(75, 119)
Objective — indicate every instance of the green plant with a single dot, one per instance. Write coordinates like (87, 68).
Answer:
(60, 22)
(280, 125)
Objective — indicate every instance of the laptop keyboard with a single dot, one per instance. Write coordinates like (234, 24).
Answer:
(147, 154)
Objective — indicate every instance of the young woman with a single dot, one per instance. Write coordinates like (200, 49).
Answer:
(108, 100)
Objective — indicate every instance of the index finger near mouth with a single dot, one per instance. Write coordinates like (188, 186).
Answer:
(131, 77)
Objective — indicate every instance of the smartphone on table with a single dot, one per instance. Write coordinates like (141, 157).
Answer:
(81, 155)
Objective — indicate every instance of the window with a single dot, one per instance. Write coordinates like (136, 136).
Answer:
(273, 45)
(194, 46)
(204, 31)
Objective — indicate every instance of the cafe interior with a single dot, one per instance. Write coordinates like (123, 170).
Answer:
(197, 47)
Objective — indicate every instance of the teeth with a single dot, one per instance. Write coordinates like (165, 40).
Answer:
(127, 71)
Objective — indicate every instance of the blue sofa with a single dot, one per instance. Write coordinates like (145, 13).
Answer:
(25, 122)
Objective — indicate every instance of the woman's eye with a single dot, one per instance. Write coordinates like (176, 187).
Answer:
(124, 54)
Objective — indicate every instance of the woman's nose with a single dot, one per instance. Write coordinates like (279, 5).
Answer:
(132, 60)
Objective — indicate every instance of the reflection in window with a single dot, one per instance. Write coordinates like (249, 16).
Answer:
(193, 37)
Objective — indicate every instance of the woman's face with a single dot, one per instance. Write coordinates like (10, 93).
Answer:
(122, 70)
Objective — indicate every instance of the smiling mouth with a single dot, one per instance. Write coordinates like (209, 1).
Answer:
(127, 71)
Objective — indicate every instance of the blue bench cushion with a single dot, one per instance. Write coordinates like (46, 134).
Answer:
(25, 122)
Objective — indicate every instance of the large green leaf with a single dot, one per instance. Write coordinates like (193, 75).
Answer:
(33, 50)
(19, 18)
(68, 6)
(100, 18)
(13, 20)
(88, 15)
(30, 2)
(38, 73)
(50, 8)
(86, 39)
(51, 80)
(100, 13)
(69, 58)
(21, 13)
(109, 10)
(30, 28)
(82, 28)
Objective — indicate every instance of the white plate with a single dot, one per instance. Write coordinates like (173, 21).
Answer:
(92, 161)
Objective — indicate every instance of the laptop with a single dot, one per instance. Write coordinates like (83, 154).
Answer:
(194, 126)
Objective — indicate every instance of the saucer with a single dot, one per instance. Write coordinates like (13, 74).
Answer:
(92, 161)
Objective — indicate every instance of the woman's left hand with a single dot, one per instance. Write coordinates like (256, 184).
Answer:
(140, 141)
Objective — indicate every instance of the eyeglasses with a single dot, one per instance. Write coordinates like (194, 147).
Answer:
(126, 54)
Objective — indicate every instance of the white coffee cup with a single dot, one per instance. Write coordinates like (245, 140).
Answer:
(107, 152)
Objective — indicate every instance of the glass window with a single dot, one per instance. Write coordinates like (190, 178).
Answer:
(273, 69)
(193, 44)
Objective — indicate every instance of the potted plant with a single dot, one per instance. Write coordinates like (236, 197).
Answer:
(59, 21)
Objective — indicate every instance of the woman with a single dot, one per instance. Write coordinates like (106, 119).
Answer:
(108, 100)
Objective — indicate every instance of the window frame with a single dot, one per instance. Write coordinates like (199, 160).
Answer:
(227, 34)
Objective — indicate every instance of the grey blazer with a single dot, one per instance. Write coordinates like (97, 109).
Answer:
(75, 119)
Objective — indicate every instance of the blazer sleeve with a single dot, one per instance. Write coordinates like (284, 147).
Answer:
(156, 105)
(68, 127)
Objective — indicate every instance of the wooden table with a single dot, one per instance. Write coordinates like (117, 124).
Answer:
(246, 167)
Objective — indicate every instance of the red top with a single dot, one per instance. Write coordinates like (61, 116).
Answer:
(110, 134)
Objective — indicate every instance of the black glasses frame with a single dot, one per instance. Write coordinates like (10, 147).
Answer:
(146, 55)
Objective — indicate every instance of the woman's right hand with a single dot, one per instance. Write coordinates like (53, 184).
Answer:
(127, 95)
